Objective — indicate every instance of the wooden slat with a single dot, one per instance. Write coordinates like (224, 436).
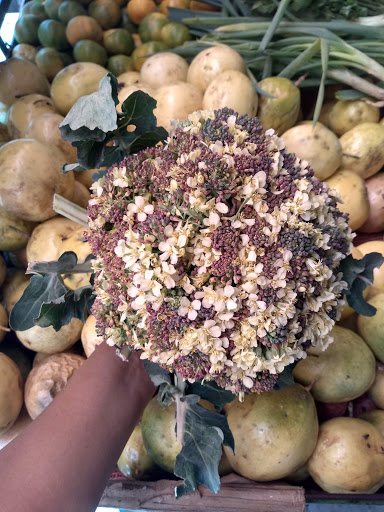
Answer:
(237, 494)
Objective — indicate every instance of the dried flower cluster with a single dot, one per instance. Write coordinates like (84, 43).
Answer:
(217, 253)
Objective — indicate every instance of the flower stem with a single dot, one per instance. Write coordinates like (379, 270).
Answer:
(180, 408)
(70, 210)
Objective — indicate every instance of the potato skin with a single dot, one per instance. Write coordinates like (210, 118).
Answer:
(11, 392)
(318, 146)
(363, 149)
(47, 379)
(342, 372)
(353, 192)
(375, 192)
(275, 433)
(211, 62)
(234, 90)
(176, 101)
(47, 237)
(24, 111)
(89, 338)
(345, 115)
(30, 175)
(164, 69)
(349, 457)
(376, 391)
(371, 329)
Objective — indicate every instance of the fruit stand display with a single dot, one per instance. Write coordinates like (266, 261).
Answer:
(322, 95)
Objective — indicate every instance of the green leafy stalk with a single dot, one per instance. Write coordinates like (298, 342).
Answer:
(274, 24)
(320, 94)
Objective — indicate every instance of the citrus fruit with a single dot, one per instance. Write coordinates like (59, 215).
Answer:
(118, 41)
(26, 29)
(87, 50)
(52, 8)
(175, 34)
(138, 9)
(119, 64)
(69, 10)
(49, 61)
(51, 33)
(151, 26)
(181, 4)
(142, 52)
(24, 51)
(106, 12)
(83, 27)
(36, 9)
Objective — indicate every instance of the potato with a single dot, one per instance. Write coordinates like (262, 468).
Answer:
(49, 341)
(344, 371)
(30, 175)
(39, 358)
(363, 149)
(234, 90)
(378, 273)
(275, 432)
(376, 418)
(75, 242)
(345, 115)
(46, 129)
(164, 69)
(176, 102)
(11, 393)
(299, 475)
(14, 278)
(23, 420)
(318, 146)
(282, 111)
(325, 112)
(11, 240)
(81, 195)
(375, 191)
(25, 110)
(128, 78)
(85, 177)
(134, 461)
(3, 270)
(89, 337)
(46, 239)
(349, 457)
(211, 62)
(74, 81)
(371, 329)
(353, 193)
(3, 322)
(47, 380)
(127, 90)
(376, 391)
(19, 77)
(16, 294)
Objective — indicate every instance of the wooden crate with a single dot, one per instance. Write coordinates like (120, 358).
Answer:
(236, 494)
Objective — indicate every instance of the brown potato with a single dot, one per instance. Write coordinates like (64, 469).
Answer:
(163, 68)
(47, 380)
(378, 273)
(30, 175)
(211, 62)
(363, 149)
(11, 393)
(234, 90)
(371, 329)
(376, 418)
(23, 420)
(318, 146)
(75, 242)
(89, 337)
(375, 191)
(16, 294)
(349, 457)
(45, 128)
(49, 341)
(134, 461)
(11, 240)
(351, 188)
(346, 114)
(24, 111)
(46, 239)
(376, 391)
(81, 195)
(85, 177)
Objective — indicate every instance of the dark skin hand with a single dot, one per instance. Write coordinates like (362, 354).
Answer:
(63, 460)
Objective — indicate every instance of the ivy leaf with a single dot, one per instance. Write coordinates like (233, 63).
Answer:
(60, 311)
(205, 432)
(212, 392)
(65, 263)
(149, 139)
(40, 289)
(358, 274)
(138, 110)
(92, 116)
(285, 378)
(90, 154)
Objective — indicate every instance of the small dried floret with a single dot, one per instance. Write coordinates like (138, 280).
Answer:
(217, 253)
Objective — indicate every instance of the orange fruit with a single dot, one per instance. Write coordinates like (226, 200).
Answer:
(83, 27)
(138, 9)
(180, 4)
(106, 12)
(175, 34)
(200, 6)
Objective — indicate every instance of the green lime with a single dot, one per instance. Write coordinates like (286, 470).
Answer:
(34, 8)
(69, 10)
(49, 61)
(52, 8)
(119, 64)
(151, 26)
(175, 34)
(51, 33)
(26, 29)
(87, 50)
(118, 41)
(142, 52)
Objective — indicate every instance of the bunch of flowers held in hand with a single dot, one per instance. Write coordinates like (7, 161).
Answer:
(217, 253)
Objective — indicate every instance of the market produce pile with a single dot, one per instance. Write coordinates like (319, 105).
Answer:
(218, 246)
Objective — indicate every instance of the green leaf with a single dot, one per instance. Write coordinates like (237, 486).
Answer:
(138, 110)
(40, 289)
(157, 374)
(285, 378)
(60, 311)
(92, 116)
(212, 392)
(324, 65)
(349, 94)
(66, 262)
(90, 154)
(358, 274)
(149, 139)
(204, 433)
